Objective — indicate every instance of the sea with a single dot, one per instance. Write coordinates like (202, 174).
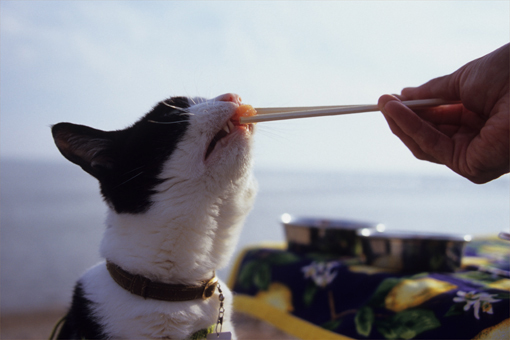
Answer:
(52, 217)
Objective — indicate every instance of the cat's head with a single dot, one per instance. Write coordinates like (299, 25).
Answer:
(180, 140)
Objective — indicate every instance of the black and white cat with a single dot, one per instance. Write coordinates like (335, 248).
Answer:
(178, 185)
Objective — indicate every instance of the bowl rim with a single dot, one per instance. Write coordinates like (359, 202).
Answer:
(326, 223)
(371, 233)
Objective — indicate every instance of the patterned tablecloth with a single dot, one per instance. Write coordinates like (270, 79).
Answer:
(316, 296)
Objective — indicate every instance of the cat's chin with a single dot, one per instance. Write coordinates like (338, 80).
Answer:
(232, 148)
(228, 134)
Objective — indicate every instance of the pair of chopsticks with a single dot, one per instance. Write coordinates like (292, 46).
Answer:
(281, 113)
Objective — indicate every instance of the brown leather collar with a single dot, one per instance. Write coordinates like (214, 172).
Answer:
(142, 286)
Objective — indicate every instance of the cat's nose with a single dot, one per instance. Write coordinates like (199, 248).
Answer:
(229, 97)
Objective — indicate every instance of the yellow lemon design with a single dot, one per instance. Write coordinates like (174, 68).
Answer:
(503, 284)
(498, 248)
(474, 261)
(278, 295)
(499, 331)
(368, 269)
(412, 293)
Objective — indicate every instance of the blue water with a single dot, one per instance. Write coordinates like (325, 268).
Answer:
(51, 217)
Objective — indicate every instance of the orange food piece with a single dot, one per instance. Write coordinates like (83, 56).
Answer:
(244, 111)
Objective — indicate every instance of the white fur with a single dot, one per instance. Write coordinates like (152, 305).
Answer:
(190, 230)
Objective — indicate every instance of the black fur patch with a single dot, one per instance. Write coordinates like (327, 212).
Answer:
(80, 323)
(127, 162)
(140, 152)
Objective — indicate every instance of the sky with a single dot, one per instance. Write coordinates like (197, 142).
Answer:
(106, 63)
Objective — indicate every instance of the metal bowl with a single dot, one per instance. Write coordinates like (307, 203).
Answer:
(412, 252)
(327, 236)
(504, 236)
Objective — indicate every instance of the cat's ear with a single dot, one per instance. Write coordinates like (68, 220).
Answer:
(89, 148)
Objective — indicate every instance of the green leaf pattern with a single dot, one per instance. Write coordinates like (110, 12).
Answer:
(405, 322)
(364, 320)
(258, 272)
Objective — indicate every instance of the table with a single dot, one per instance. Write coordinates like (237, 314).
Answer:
(320, 296)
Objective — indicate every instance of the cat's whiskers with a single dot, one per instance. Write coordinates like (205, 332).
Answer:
(200, 100)
(187, 113)
(174, 107)
(129, 179)
(275, 134)
(132, 170)
(156, 122)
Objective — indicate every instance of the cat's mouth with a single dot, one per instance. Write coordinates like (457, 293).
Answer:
(230, 126)
(224, 132)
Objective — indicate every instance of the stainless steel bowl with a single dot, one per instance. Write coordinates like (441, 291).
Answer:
(327, 236)
(412, 252)
(504, 236)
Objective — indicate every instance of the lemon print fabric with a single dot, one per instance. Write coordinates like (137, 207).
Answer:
(503, 284)
(346, 298)
(499, 331)
(278, 295)
(412, 293)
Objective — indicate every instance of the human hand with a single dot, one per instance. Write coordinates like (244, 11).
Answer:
(471, 138)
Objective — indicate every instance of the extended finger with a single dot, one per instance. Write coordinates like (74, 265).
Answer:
(407, 140)
(433, 143)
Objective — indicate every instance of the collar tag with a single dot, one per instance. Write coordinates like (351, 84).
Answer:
(220, 336)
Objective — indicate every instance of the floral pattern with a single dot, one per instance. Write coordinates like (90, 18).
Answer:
(477, 300)
(321, 273)
(346, 298)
